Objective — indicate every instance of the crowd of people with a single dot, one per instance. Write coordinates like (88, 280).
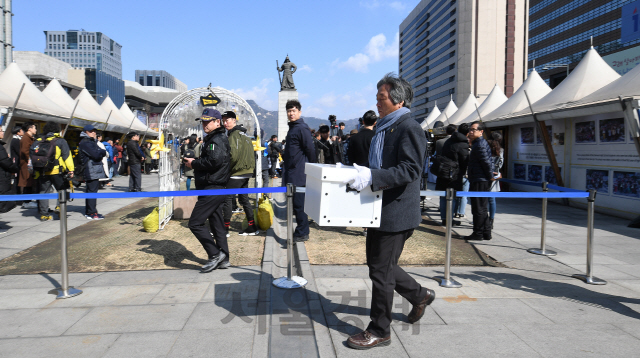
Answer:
(39, 163)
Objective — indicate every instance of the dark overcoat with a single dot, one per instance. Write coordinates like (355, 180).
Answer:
(403, 158)
(298, 151)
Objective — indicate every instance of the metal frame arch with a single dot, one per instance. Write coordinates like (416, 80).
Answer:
(177, 121)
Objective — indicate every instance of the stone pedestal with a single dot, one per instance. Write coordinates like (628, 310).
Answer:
(283, 127)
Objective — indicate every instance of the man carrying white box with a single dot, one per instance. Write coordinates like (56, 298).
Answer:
(396, 157)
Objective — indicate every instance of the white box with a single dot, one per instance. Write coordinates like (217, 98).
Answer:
(328, 202)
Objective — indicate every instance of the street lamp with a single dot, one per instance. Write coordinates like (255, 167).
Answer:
(556, 65)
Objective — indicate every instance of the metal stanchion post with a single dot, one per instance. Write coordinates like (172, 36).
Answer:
(543, 245)
(290, 281)
(65, 291)
(591, 207)
(446, 281)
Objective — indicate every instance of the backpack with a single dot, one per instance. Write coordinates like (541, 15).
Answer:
(42, 154)
(445, 168)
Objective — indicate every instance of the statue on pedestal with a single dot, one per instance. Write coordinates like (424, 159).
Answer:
(288, 69)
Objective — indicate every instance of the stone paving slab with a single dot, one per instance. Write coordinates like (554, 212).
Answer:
(213, 342)
(73, 346)
(142, 345)
(39, 322)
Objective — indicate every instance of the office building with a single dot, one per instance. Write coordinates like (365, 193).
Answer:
(6, 36)
(160, 79)
(85, 49)
(101, 85)
(561, 32)
(457, 47)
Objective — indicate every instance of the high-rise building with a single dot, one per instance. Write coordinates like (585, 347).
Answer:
(6, 36)
(85, 49)
(160, 79)
(457, 47)
(561, 32)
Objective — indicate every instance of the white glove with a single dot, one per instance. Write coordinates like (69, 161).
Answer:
(361, 179)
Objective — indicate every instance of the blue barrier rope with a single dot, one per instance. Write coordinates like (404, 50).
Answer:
(563, 189)
(146, 194)
(521, 182)
(489, 194)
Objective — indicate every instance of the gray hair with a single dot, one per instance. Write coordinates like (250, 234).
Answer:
(401, 90)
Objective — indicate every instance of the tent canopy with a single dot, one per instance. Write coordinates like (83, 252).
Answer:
(468, 106)
(495, 99)
(435, 112)
(57, 94)
(447, 112)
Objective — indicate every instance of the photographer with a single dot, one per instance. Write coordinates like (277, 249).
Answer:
(62, 171)
(275, 150)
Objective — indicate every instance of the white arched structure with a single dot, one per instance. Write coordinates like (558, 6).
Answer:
(178, 121)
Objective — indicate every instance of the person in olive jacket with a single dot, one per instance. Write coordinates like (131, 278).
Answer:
(243, 163)
(211, 171)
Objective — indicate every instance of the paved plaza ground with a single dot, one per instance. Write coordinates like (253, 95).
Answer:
(531, 307)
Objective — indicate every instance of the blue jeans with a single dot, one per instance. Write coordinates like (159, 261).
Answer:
(443, 207)
(188, 183)
(492, 207)
(461, 201)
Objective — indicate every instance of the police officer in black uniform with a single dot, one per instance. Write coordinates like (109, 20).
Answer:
(211, 171)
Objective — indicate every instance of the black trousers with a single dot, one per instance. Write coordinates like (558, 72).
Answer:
(383, 252)
(481, 225)
(243, 198)
(210, 207)
(46, 182)
(135, 178)
(272, 170)
(90, 204)
(302, 220)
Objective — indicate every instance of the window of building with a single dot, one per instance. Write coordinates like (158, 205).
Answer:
(50, 38)
(149, 80)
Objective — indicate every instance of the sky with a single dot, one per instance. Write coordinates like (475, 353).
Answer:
(341, 48)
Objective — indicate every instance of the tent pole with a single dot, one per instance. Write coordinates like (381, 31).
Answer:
(547, 147)
(8, 125)
(124, 136)
(70, 119)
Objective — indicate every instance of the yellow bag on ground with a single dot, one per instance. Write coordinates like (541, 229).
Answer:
(265, 213)
(151, 222)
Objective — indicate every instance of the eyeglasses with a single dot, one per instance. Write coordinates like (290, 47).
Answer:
(474, 130)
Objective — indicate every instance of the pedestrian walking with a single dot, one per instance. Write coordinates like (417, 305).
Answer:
(480, 172)
(212, 171)
(454, 153)
(91, 158)
(25, 177)
(497, 156)
(396, 157)
(135, 158)
(274, 150)
(298, 151)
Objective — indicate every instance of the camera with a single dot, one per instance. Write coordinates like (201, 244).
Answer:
(67, 176)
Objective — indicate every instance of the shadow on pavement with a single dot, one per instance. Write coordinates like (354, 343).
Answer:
(174, 253)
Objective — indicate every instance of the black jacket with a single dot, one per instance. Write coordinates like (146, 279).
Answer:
(214, 165)
(15, 150)
(133, 152)
(7, 167)
(298, 151)
(480, 162)
(359, 145)
(455, 148)
(403, 157)
(91, 156)
(275, 149)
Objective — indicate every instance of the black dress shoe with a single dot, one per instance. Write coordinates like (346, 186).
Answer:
(366, 340)
(213, 262)
(418, 310)
(474, 237)
(486, 236)
(455, 222)
(300, 238)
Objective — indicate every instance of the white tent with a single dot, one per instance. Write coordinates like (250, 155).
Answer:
(89, 104)
(117, 118)
(435, 112)
(495, 99)
(128, 114)
(591, 74)
(447, 112)
(535, 87)
(466, 108)
(32, 101)
(57, 94)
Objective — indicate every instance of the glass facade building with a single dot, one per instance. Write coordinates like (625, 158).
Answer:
(561, 32)
(101, 84)
(451, 48)
(160, 79)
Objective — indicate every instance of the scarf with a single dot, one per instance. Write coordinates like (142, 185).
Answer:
(377, 143)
